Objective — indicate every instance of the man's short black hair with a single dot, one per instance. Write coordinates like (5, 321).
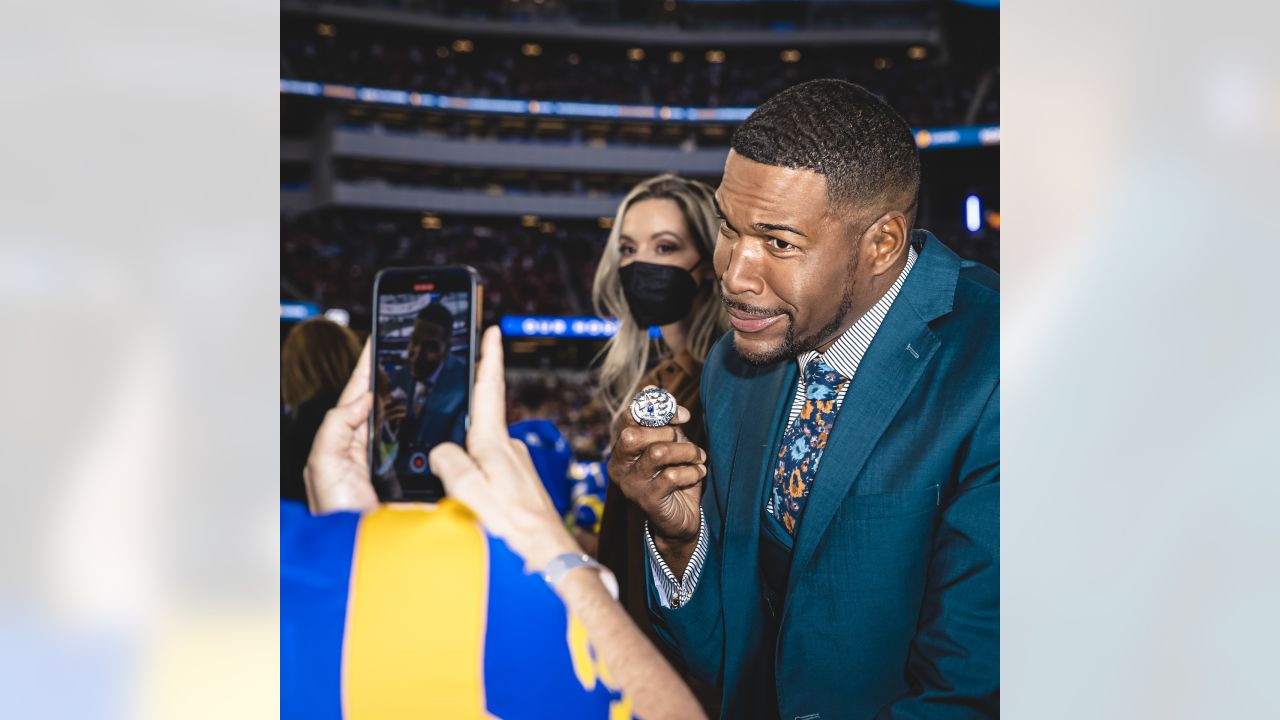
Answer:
(437, 315)
(843, 132)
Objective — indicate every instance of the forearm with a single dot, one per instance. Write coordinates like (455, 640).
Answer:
(633, 662)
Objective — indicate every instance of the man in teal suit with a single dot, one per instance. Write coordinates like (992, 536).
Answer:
(433, 388)
(834, 551)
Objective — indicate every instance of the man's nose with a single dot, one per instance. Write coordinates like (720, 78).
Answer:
(742, 274)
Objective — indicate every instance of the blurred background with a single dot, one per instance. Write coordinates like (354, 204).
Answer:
(503, 134)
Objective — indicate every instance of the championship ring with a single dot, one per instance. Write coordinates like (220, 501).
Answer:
(653, 407)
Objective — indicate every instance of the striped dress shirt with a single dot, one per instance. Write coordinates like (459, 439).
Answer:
(845, 354)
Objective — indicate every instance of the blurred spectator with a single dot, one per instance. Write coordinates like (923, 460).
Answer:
(572, 404)
(547, 445)
(315, 362)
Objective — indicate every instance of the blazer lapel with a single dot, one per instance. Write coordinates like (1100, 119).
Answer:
(757, 433)
(903, 348)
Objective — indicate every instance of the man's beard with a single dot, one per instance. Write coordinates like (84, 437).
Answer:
(792, 347)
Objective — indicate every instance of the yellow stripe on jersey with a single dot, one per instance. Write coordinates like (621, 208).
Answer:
(414, 642)
(589, 668)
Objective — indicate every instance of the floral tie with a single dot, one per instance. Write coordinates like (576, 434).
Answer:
(804, 441)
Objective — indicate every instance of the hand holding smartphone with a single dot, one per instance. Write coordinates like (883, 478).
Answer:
(424, 353)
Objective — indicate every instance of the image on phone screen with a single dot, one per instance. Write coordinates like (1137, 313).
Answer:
(421, 386)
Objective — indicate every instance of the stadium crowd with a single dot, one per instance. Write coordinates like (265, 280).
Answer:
(665, 13)
(923, 91)
(330, 257)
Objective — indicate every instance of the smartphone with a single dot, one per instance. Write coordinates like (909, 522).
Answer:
(424, 364)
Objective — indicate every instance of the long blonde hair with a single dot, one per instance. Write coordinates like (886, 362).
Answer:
(626, 355)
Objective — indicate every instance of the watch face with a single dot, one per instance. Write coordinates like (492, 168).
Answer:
(653, 407)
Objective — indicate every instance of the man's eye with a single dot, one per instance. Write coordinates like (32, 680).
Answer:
(780, 244)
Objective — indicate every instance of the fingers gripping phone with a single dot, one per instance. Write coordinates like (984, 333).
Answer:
(424, 351)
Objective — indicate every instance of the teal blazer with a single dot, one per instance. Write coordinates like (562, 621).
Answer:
(893, 599)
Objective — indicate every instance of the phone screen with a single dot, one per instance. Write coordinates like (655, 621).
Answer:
(424, 365)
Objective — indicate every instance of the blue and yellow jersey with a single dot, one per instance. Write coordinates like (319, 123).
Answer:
(413, 611)
(586, 494)
(550, 454)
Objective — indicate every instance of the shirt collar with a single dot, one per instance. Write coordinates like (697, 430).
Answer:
(423, 385)
(846, 352)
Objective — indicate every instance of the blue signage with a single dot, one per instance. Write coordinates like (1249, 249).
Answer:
(548, 326)
(291, 311)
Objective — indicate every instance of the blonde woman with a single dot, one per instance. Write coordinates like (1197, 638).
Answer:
(656, 271)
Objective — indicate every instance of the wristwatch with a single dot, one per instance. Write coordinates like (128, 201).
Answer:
(561, 564)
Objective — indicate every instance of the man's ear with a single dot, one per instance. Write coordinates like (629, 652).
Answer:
(885, 241)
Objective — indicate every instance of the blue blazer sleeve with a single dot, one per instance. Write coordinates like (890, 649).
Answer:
(696, 629)
(954, 661)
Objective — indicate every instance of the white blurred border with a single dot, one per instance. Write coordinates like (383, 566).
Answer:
(138, 288)
(1140, 360)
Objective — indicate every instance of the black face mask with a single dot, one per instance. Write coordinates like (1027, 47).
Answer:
(657, 294)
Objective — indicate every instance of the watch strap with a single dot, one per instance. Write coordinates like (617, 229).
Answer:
(560, 565)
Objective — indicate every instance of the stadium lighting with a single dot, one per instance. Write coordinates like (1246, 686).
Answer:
(462, 45)
(531, 49)
(431, 221)
(606, 223)
(529, 220)
(883, 63)
(574, 59)
(973, 213)
(790, 56)
(338, 315)
(993, 219)
(635, 54)
(715, 57)
(326, 30)
(547, 227)
(442, 52)
(917, 52)
(675, 57)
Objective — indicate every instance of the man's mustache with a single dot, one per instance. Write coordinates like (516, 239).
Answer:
(751, 310)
